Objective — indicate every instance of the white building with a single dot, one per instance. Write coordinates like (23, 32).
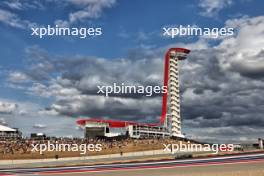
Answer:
(7, 132)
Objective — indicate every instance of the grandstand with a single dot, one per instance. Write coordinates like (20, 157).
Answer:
(7, 132)
(170, 120)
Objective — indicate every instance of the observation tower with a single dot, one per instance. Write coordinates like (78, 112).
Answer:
(171, 116)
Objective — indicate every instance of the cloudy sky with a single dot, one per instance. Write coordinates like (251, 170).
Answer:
(46, 84)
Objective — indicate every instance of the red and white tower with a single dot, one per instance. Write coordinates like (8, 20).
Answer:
(171, 117)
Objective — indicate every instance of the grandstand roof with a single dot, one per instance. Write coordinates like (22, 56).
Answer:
(113, 123)
(5, 128)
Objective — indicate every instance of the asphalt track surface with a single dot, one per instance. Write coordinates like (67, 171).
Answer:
(165, 167)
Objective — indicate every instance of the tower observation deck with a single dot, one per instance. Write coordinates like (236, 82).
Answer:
(170, 120)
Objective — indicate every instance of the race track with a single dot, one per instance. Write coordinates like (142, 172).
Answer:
(237, 164)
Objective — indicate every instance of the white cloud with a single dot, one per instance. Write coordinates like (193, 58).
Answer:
(8, 107)
(40, 90)
(88, 9)
(211, 8)
(10, 19)
(3, 121)
(9, 16)
(14, 5)
(23, 4)
(52, 90)
(93, 9)
(17, 77)
(41, 126)
(48, 112)
(13, 20)
(20, 108)
(62, 23)
(244, 52)
(31, 118)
